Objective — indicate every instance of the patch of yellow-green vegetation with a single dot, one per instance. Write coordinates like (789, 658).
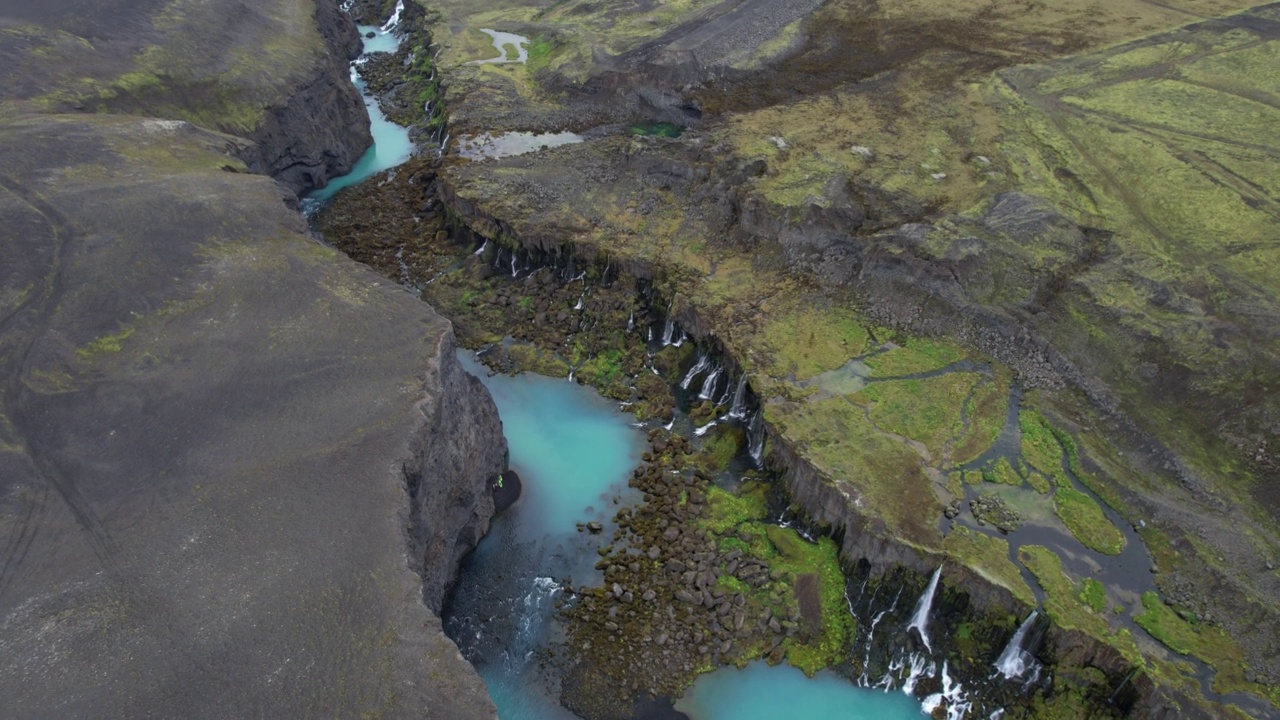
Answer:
(111, 342)
(1247, 71)
(807, 340)
(989, 556)
(1001, 472)
(157, 148)
(927, 411)
(1094, 595)
(725, 510)
(914, 355)
(542, 50)
(1063, 606)
(1086, 521)
(985, 411)
(918, 138)
(1040, 447)
(752, 537)
(883, 476)
(601, 370)
(786, 38)
(1170, 143)
(825, 635)
(724, 444)
(1208, 643)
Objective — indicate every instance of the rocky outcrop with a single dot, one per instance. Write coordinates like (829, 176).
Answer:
(457, 452)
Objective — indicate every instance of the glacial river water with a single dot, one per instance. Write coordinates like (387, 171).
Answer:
(391, 143)
(574, 452)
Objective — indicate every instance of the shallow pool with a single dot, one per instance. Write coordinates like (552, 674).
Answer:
(761, 692)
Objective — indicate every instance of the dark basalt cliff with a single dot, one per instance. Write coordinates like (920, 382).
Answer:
(321, 128)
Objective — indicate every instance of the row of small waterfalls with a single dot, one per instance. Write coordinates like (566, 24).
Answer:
(897, 648)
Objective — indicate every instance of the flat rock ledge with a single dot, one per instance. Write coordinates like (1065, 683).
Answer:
(230, 457)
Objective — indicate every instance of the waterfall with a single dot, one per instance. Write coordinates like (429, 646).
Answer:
(513, 264)
(920, 620)
(483, 246)
(703, 430)
(958, 705)
(1016, 660)
(702, 364)
(755, 437)
(394, 20)
(631, 323)
(727, 397)
(918, 667)
(709, 385)
(739, 408)
(579, 305)
(668, 331)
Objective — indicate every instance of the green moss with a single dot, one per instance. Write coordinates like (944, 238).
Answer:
(985, 411)
(1041, 447)
(1086, 521)
(814, 648)
(883, 475)
(1063, 606)
(1001, 472)
(1208, 643)
(726, 511)
(809, 340)
(914, 355)
(989, 556)
(928, 411)
(723, 445)
(112, 342)
(1094, 594)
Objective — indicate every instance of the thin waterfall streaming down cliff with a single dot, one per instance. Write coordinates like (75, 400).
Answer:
(704, 362)
(739, 408)
(668, 331)
(755, 436)
(631, 323)
(394, 20)
(920, 620)
(709, 385)
(483, 246)
(727, 397)
(699, 432)
(1016, 659)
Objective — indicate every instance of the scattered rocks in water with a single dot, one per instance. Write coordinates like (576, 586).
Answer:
(991, 509)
